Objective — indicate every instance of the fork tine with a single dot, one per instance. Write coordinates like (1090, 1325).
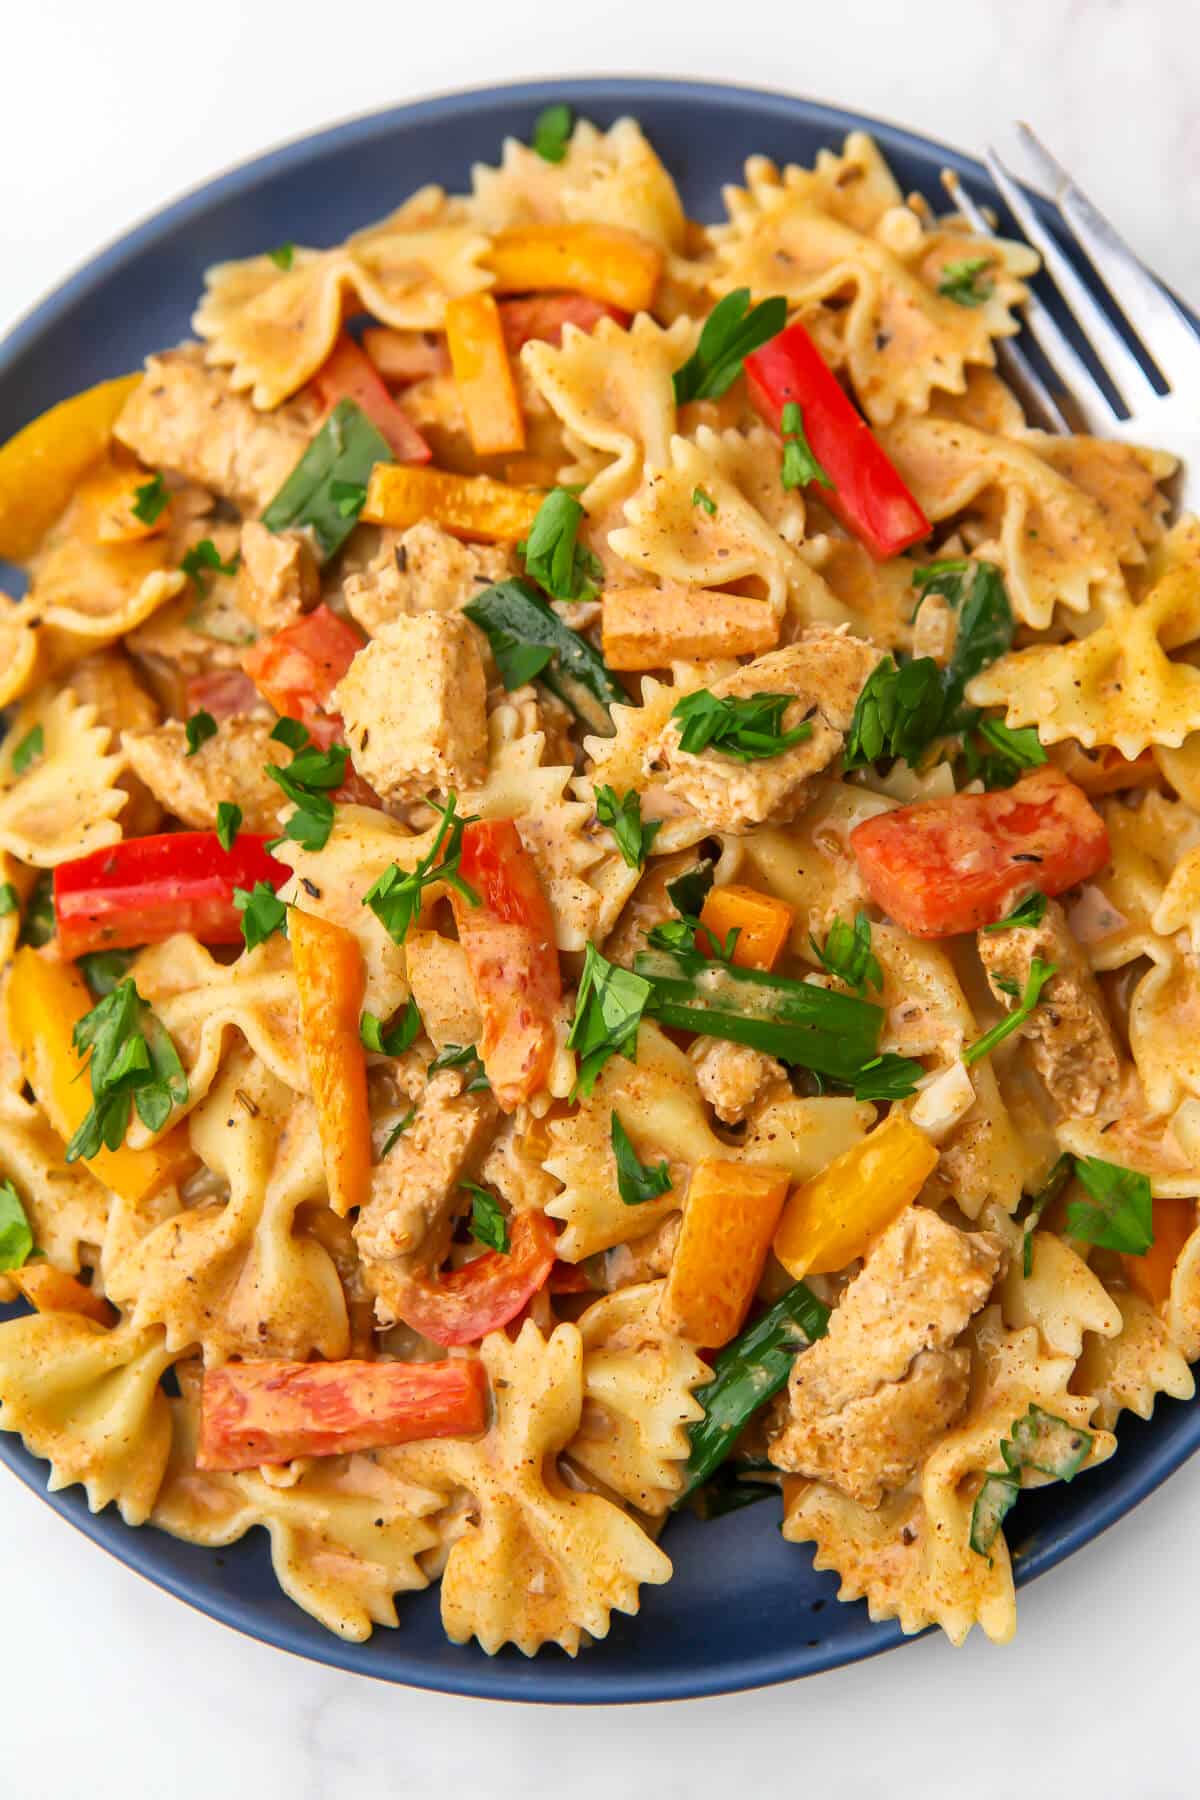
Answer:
(1012, 357)
(1164, 331)
(1115, 357)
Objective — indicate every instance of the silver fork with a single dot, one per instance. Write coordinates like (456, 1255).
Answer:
(1169, 420)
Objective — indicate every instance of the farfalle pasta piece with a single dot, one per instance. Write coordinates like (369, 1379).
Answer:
(64, 802)
(1124, 480)
(804, 1134)
(346, 1534)
(66, 1206)
(639, 1383)
(620, 762)
(611, 177)
(89, 1401)
(545, 1563)
(1128, 1370)
(1060, 1295)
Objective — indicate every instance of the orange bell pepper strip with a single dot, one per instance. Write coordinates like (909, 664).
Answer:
(484, 375)
(330, 981)
(52, 1290)
(46, 1000)
(468, 506)
(603, 261)
(41, 465)
(731, 1213)
(1150, 1275)
(648, 627)
(763, 924)
(116, 495)
(831, 1220)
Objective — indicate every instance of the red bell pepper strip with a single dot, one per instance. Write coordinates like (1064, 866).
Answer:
(508, 940)
(542, 316)
(463, 1306)
(267, 1412)
(145, 889)
(867, 494)
(947, 866)
(349, 374)
(297, 669)
(224, 693)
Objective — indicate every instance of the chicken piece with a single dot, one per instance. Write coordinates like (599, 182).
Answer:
(442, 988)
(825, 670)
(414, 702)
(229, 766)
(108, 682)
(1070, 1039)
(733, 1076)
(277, 576)
(869, 1400)
(421, 570)
(645, 1258)
(185, 417)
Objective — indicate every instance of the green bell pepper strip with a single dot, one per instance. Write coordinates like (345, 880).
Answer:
(512, 612)
(341, 456)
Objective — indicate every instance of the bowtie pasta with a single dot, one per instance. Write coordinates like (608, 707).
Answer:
(596, 907)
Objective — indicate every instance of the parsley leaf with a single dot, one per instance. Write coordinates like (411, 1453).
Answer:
(1009, 751)
(1031, 911)
(132, 1062)
(554, 557)
(624, 819)
(552, 131)
(731, 331)
(1039, 974)
(16, 1236)
(941, 577)
(150, 500)
(305, 781)
(688, 892)
(888, 1077)
(518, 662)
(397, 1131)
(488, 1223)
(464, 1057)
(229, 823)
(198, 729)
(1038, 1440)
(847, 954)
(1120, 1214)
(396, 1041)
(800, 466)
(395, 898)
(205, 559)
(104, 969)
(985, 631)
(9, 902)
(289, 732)
(31, 746)
(283, 255)
(702, 499)
(963, 281)
(747, 729)
(637, 1181)
(1050, 1189)
(898, 712)
(608, 1012)
(262, 913)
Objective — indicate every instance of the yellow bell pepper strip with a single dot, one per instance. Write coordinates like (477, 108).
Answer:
(468, 506)
(603, 261)
(731, 1213)
(40, 466)
(1151, 1273)
(649, 627)
(46, 1000)
(48, 1289)
(763, 924)
(830, 1220)
(484, 375)
(330, 983)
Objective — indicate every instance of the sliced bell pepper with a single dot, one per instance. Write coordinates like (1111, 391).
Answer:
(330, 981)
(831, 1219)
(866, 494)
(45, 1002)
(143, 890)
(1174, 1223)
(948, 866)
(463, 1306)
(41, 465)
(349, 374)
(648, 627)
(268, 1412)
(508, 940)
(296, 669)
(48, 1289)
(541, 317)
(602, 261)
(469, 506)
(222, 692)
(728, 1221)
(763, 924)
(483, 375)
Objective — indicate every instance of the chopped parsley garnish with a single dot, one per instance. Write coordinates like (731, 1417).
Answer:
(552, 553)
(204, 559)
(31, 746)
(16, 1234)
(705, 501)
(306, 782)
(748, 729)
(262, 912)
(941, 577)
(637, 1181)
(132, 1062)
(289, 732)
(552, 132)
(688, 892)
(397, 1131)
(396, 897)
(150, 500)
(1050, 1189)
(731, 331)
(283, 255)
(103, 970)
(985, 631)
(800, 466)
(396, 1041)
(9, 901)
(624, 819)
(964, 281)
(349, 497)
(608, 1012)
(1007, 752)
(465, 1057)
(887, 1077)
(488, 1222)
(198, 729)
(1039, 974)
(848, 955)
(898, 713)
(229, 823)
(1031, 911)
(1041, 1441)
(1120, 1213)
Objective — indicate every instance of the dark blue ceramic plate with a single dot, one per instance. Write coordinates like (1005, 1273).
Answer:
(744, 1608)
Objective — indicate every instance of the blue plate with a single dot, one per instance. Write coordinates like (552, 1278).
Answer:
(744, 1608)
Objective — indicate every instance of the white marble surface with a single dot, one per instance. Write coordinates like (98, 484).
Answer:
(110, 1688)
